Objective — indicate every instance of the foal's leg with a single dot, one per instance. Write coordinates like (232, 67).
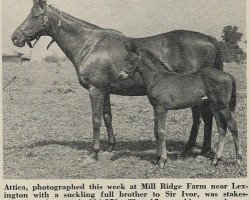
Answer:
(156, 135)
(222, 128)
(196, 113)
(207, 117)
(160, 123)
(107, 117)
(232, 126)
(96, 97)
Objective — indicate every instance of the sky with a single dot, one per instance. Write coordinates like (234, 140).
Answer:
(134, 18)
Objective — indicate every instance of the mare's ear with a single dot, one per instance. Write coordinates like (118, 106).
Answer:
(37, 9)
(42, 4)
(130, 47)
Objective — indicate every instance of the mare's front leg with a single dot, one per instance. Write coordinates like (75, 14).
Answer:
(97, 98)
(159, 130)
(107, 117)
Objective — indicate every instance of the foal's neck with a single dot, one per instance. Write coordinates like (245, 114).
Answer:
(149, 71)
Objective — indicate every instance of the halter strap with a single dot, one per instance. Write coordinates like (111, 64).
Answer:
(46, 32)
(59, 25)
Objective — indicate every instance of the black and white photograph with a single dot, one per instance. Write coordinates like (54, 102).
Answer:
(132, 89)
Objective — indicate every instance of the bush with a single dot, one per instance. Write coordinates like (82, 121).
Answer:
(230, 45)
(52, 59)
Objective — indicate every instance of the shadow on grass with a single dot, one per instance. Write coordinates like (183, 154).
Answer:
(122, 148)
(78, 145)
(138, 148)
(139, 145)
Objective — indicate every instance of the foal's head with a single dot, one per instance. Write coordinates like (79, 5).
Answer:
(132, 61)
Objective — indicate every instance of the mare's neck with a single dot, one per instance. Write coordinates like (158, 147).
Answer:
(72, 35)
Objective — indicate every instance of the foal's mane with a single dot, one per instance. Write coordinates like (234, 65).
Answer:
(157, 61)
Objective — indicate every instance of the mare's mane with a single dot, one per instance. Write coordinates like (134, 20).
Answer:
(80, 21)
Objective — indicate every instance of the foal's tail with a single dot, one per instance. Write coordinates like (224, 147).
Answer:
(232, 102)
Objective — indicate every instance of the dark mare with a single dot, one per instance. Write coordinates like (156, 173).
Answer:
(98, 55)
(172, 91)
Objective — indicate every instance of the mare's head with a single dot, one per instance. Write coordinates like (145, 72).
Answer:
(35, 25)
(132, 61)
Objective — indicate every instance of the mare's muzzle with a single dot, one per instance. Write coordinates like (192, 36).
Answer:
(18, 38)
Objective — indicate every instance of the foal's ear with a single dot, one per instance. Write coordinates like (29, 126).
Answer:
(130, 47)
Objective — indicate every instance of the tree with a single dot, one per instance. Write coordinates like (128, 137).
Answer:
(230, 45)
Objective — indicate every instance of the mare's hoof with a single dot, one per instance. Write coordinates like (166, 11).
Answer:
(215, 161)
(111, 147)
(186, 151)
(207, 152)
(157, 160)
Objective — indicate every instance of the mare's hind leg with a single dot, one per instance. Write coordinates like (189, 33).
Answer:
(159, 129)
(222, 128)
(232, 126)
(196, 113)
(207, 117)
(107, 117)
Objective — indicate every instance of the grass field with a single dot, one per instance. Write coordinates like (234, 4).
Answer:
(47, 130)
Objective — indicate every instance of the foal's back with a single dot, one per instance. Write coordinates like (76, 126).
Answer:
(182, 91)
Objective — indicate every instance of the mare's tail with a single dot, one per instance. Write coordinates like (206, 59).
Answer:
(232, 102)
(218, 62)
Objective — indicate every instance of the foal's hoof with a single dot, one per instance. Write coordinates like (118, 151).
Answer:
(161, 163)
(239, 159)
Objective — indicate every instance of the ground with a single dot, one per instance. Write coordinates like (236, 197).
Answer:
(47, 130)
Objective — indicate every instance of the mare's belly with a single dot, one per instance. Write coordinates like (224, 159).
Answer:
(128, 87)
